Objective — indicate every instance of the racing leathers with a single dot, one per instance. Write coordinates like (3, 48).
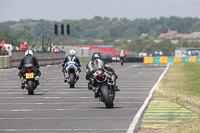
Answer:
(28, 61)
(73, 58)
(122, 55)
(98, 63)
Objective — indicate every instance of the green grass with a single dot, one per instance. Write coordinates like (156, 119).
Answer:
(84, 59)
(182, 78)
(180, 85)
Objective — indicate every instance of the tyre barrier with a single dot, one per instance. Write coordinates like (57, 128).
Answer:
(167, 59)
(4, 62)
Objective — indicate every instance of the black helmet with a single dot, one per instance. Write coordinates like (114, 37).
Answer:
(96, 55)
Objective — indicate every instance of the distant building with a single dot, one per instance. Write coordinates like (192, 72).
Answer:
(173, 34)
(195, 35)
(183, 52)
(143, 35)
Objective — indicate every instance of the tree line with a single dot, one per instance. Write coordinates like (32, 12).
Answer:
(100, 30)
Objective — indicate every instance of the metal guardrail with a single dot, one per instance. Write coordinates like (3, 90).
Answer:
(4, 62)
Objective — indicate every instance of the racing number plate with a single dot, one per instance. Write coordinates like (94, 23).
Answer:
(29, 76)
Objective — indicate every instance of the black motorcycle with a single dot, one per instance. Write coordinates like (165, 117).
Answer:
(31, 82)
(102, 87)
(122, 61)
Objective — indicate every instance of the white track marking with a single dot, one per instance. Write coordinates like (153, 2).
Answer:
(63, 103)
(62, 118)
(29, 110)
(139, 113)
(15, 130)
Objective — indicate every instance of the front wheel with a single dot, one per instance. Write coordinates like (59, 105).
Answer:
(30, 87)
(106, 97)
(122, 62)
(72, 80)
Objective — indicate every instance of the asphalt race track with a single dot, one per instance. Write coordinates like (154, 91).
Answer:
(56, 108)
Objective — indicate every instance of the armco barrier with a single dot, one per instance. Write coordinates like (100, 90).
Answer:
(44, 58)
(177, 59)
(185, 59)
(156, 59)
(134, 59)
(197, 58)
(163, 59)
(170, 59)
(148, 59)
(192, 58)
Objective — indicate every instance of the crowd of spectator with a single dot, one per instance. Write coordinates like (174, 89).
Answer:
(23, 47)
(55, 48)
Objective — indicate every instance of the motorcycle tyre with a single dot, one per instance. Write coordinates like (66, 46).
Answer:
(122, 62)
(30, 86)
(106, 97)
(72, 80)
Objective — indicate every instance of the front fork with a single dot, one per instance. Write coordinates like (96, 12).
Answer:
(66, 76)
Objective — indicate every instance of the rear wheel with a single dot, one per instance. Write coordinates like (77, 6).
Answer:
(106, 97)
(72, 80)
(30, 87)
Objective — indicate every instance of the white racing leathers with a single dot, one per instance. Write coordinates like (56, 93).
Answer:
(71, 73)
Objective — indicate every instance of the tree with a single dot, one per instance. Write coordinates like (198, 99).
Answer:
(7, 38)
(22, 34)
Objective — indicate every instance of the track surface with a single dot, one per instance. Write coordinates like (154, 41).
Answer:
(56, 108)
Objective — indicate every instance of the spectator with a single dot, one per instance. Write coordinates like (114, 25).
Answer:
(62, 49)
(51, 47)
(44, 48)
(17, 48)
(24, 46)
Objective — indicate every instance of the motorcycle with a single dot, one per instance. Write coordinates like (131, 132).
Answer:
(30, 79)
(122, 60)
(102, 87)
(71, 73)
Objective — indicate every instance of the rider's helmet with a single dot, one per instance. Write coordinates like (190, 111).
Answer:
(72, 52)
(96, 55)
(122, 51)
(28, 52)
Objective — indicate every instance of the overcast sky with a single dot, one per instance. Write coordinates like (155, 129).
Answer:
(58, 10)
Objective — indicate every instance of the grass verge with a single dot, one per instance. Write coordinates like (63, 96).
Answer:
(181, 85)
(84, 59)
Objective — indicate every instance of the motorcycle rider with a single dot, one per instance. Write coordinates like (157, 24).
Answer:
(71, 57)
(28, 61)
(122, 55)
(97, 62)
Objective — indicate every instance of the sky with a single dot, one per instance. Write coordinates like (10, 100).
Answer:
(57, 10)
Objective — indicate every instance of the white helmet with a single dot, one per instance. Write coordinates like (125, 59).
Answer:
(28, 52)
(72, 52)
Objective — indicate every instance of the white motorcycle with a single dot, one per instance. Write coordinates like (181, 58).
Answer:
(71, 73)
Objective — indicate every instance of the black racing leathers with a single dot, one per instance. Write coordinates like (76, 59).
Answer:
(29, 61)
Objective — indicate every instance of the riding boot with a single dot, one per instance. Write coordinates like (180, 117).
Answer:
(96, 94)
(116, 76)
(22, 82)
(66, 76)
(90, 86)
(37, 80)
(116, 88)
